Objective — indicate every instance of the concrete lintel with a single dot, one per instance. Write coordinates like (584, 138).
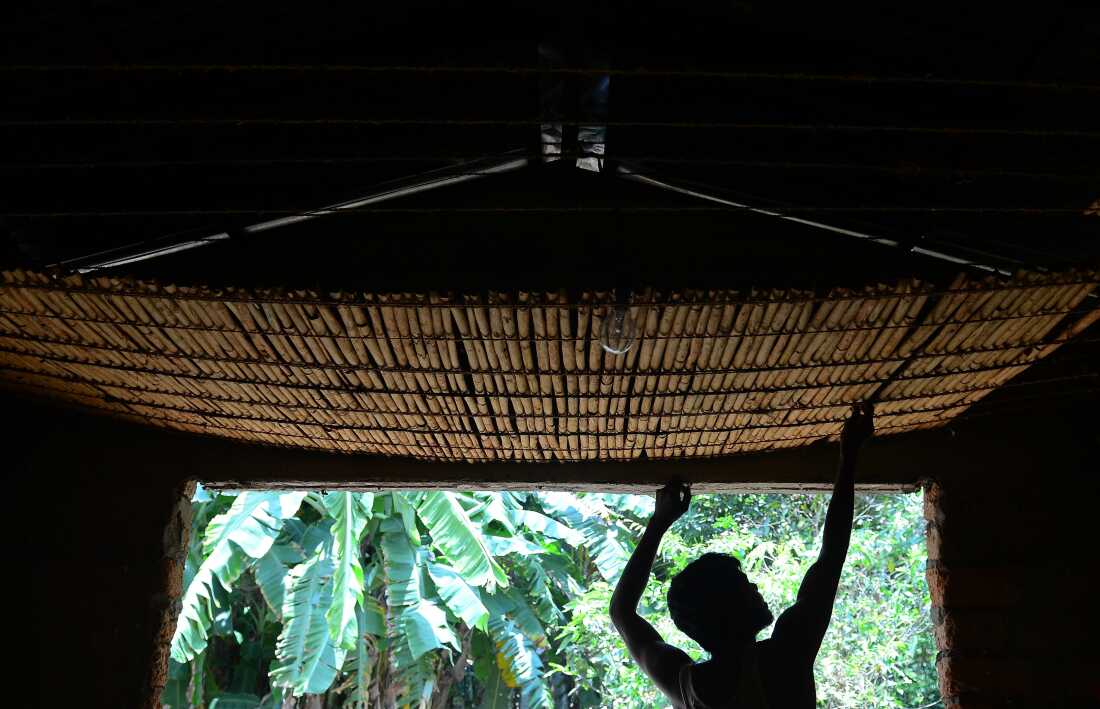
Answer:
(803, 471)
(81, 441)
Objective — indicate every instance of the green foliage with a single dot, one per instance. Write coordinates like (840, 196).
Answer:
(307, 656)
(461, 542)
(371, 599)
(270, 575)
(878, 652)
(461, 598)
(231, 543)
(350, 513)
(235, 701)
(602, 533)
(362, 666)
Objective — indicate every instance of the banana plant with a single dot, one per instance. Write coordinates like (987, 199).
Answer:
(232, 542)
(375, 596)
(601, 527)
(307, 656)
(350, 513)
(455, 535)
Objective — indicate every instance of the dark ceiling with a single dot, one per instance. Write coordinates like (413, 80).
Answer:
(969, 130)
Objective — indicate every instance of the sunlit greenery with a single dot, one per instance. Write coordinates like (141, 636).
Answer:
(446, 599)
(879, 650)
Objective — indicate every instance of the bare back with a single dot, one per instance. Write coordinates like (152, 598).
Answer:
(786, 680)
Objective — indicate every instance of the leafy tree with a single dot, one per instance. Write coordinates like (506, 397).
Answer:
(879, 650)
(467, 599)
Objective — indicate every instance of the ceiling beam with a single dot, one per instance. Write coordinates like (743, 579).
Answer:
(58, 442)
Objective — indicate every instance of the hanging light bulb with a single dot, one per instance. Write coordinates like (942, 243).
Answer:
(619, 331)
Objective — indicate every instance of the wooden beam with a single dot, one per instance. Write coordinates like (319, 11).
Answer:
(60, 442)
(756, 473)
(72, 440)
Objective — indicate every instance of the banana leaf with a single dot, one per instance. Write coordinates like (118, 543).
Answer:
(464, 545)
(270, 575)
(350, 512)
(233, 541)
(174, 695)
(362, 666)
(405, 508)
(306, 658)
(403, 580)
(498, 695)
(459, 597)
(595, 522)
(547, 526)
(520, 663)
(425, 628)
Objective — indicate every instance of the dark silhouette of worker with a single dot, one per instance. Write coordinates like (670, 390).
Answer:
(716, 605)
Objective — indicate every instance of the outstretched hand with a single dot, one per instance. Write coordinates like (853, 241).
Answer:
(673, 501)
(858, 428)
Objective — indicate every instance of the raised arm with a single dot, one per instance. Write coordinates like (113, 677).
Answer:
(658, 659)
(802, 627)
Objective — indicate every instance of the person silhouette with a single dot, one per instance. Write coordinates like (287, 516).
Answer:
(715, 604)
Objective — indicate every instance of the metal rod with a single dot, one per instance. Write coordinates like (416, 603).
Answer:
(445, 177)
(784, 214)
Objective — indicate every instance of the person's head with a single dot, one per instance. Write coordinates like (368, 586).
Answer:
(714, 604)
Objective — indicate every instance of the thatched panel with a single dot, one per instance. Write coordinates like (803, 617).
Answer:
(522, 376)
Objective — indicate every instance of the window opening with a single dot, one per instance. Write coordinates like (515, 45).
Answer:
(446, 598)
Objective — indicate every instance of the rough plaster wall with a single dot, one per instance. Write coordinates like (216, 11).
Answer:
(96, 530)
(92, 558)
(165, 604)
(1011, 569)
(100, 596)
